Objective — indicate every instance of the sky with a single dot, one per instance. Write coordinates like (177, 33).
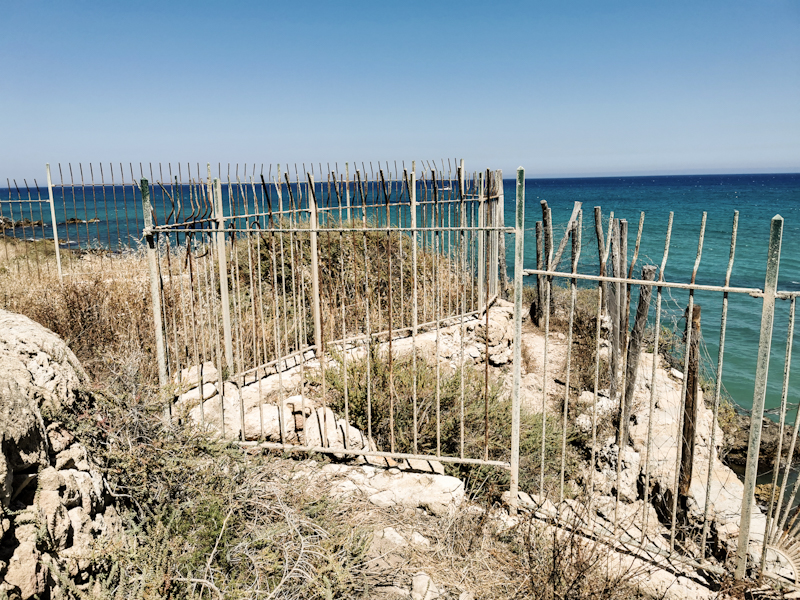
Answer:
(564, 88)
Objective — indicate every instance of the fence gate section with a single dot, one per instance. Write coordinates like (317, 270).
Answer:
(312, 311)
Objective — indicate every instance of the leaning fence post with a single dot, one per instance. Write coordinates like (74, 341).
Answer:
(690, 404)
(155, 282)
(537, 312)
(223, 277)
(312, 207)
(519, 255)
(501, 239)
(55, 225)
(759, 393)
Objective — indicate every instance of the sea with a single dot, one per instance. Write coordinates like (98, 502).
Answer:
(689, 198)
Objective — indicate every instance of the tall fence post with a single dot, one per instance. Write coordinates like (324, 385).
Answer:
(519, 255)
(312, 207)
(155, 281)
(690, 406)
(759, 393)
(222, 258)
(481, 240)
(55, 225)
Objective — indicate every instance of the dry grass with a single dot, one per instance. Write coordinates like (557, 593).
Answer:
(206, 520)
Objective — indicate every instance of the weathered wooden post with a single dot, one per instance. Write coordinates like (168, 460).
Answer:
(501, 237)
(624, 317)
(155, 284)
(491, 197)
(690, 404)
(634, 352)
(612, 305)
(481, 240)
(601, 245)
(760, 391)
(536, 306)
(315, 304)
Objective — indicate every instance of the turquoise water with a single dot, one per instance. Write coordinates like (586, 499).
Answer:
(758, 198)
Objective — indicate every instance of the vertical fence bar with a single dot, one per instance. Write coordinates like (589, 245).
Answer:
(787, 367)
(55, 224)
(519, 255)
(759, 394)
(155, 292)
(481, 240)
(412, 191)
(223, 278)
(314, 224)
(718, 386)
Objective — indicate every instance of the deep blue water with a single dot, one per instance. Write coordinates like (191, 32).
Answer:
(758, 198)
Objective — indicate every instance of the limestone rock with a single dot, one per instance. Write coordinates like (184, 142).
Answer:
(190, 378)
(424, 466)
(56, 494)
(194, 396)
(439, 494)
(423, 588)
(25, 571)
(59, 438)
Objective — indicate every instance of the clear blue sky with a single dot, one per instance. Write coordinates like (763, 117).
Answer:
(564, 88)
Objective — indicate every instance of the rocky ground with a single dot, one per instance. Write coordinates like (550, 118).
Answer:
(426, 537)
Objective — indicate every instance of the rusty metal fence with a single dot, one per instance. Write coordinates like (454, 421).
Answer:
(275, 283)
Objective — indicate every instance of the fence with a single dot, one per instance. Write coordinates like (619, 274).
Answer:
(670, 435)
(279, 278)
(280, 294)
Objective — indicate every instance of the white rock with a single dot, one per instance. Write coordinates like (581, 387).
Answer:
(425, 466)
(73, 457)
(190, 378)
(423, 588)
(25, 570)
(419, 540)
(584, 423)
(321, 430)
(388, 539)
(439, 494)
(191, 398)
(55, 516)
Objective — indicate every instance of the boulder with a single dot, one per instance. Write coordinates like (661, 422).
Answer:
(56, 494)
